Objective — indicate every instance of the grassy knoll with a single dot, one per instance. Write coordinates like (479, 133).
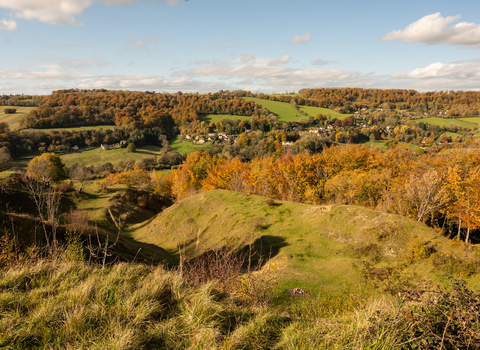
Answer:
(13, 120)
(318, 248)
(286, 111)
(446, 122)
(217, 117)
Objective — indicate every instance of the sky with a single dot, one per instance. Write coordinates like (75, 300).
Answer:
(262, 45)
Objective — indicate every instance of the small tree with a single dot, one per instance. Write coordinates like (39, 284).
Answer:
(47, 167)
(131, 147)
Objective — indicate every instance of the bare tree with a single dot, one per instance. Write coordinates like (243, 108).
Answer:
(47, 201)
(80, 175)
(425, 193)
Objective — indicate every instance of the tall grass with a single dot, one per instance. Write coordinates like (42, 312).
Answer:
(60, 304)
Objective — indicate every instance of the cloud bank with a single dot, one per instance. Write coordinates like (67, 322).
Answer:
(434, 29)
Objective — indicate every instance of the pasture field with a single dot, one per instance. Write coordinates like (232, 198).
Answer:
(313, 111)
(113, 156)
(471, 120)
(187, 147)
(79, 128)
(446, 122)
(13, 120)
(286, 111)
(99, 155)
(217, 117)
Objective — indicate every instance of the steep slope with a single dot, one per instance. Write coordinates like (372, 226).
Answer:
(312, 247)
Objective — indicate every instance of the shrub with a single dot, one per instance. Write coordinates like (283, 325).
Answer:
(131, 147)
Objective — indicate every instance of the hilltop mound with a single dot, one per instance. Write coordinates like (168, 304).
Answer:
(327, 247)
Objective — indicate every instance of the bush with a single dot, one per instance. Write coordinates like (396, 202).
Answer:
(131, 147)
(439, 319)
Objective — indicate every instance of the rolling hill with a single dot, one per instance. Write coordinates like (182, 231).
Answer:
(318, 248)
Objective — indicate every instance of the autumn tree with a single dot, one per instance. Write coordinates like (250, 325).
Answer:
(47, 167)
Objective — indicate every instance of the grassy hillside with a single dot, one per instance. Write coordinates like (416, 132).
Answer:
(439, 121)
(286, 111)
(80, 128)
(217, 117)
(318, 248)
(13, 120)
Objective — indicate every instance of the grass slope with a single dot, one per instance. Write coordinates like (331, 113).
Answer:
(80, 128)
(13, 120)
(286, 111)
(218, 117)
(446, 122)
(318, 248)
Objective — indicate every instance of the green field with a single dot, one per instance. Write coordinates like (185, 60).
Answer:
(446, 122)
(99, 155)
(217, 117)
(13, 120)
(313, 111)
(187, 147)
(471, 120)
(286, 111)
(79, 128)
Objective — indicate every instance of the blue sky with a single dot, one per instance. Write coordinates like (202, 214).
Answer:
(208, 45)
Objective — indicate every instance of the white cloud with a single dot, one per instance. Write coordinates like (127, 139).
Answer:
(8, 25)
(297, 39)
(134, 44)
(442, 70)
(221, 45)
(282, 60)
(321, 62)
(51, 11)
(57, 11)
(53, 72)
(247, 57)
(130, 2)
(433, 29)
(78, 63)
(53, 61)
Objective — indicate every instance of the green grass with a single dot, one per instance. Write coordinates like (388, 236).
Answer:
(98, 155)
(286, 111)
(471, 120)
(80, 128)
(446, 122)
(382, 144)
(218, 117)
(13, 120)
(318, 248)
(187, 147)
(313, 111)
(113, 156)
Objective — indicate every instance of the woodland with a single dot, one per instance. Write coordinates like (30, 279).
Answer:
(336, 218)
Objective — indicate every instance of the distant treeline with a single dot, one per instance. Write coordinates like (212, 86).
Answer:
(68, 108)
(349, 100)
(21, 100)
